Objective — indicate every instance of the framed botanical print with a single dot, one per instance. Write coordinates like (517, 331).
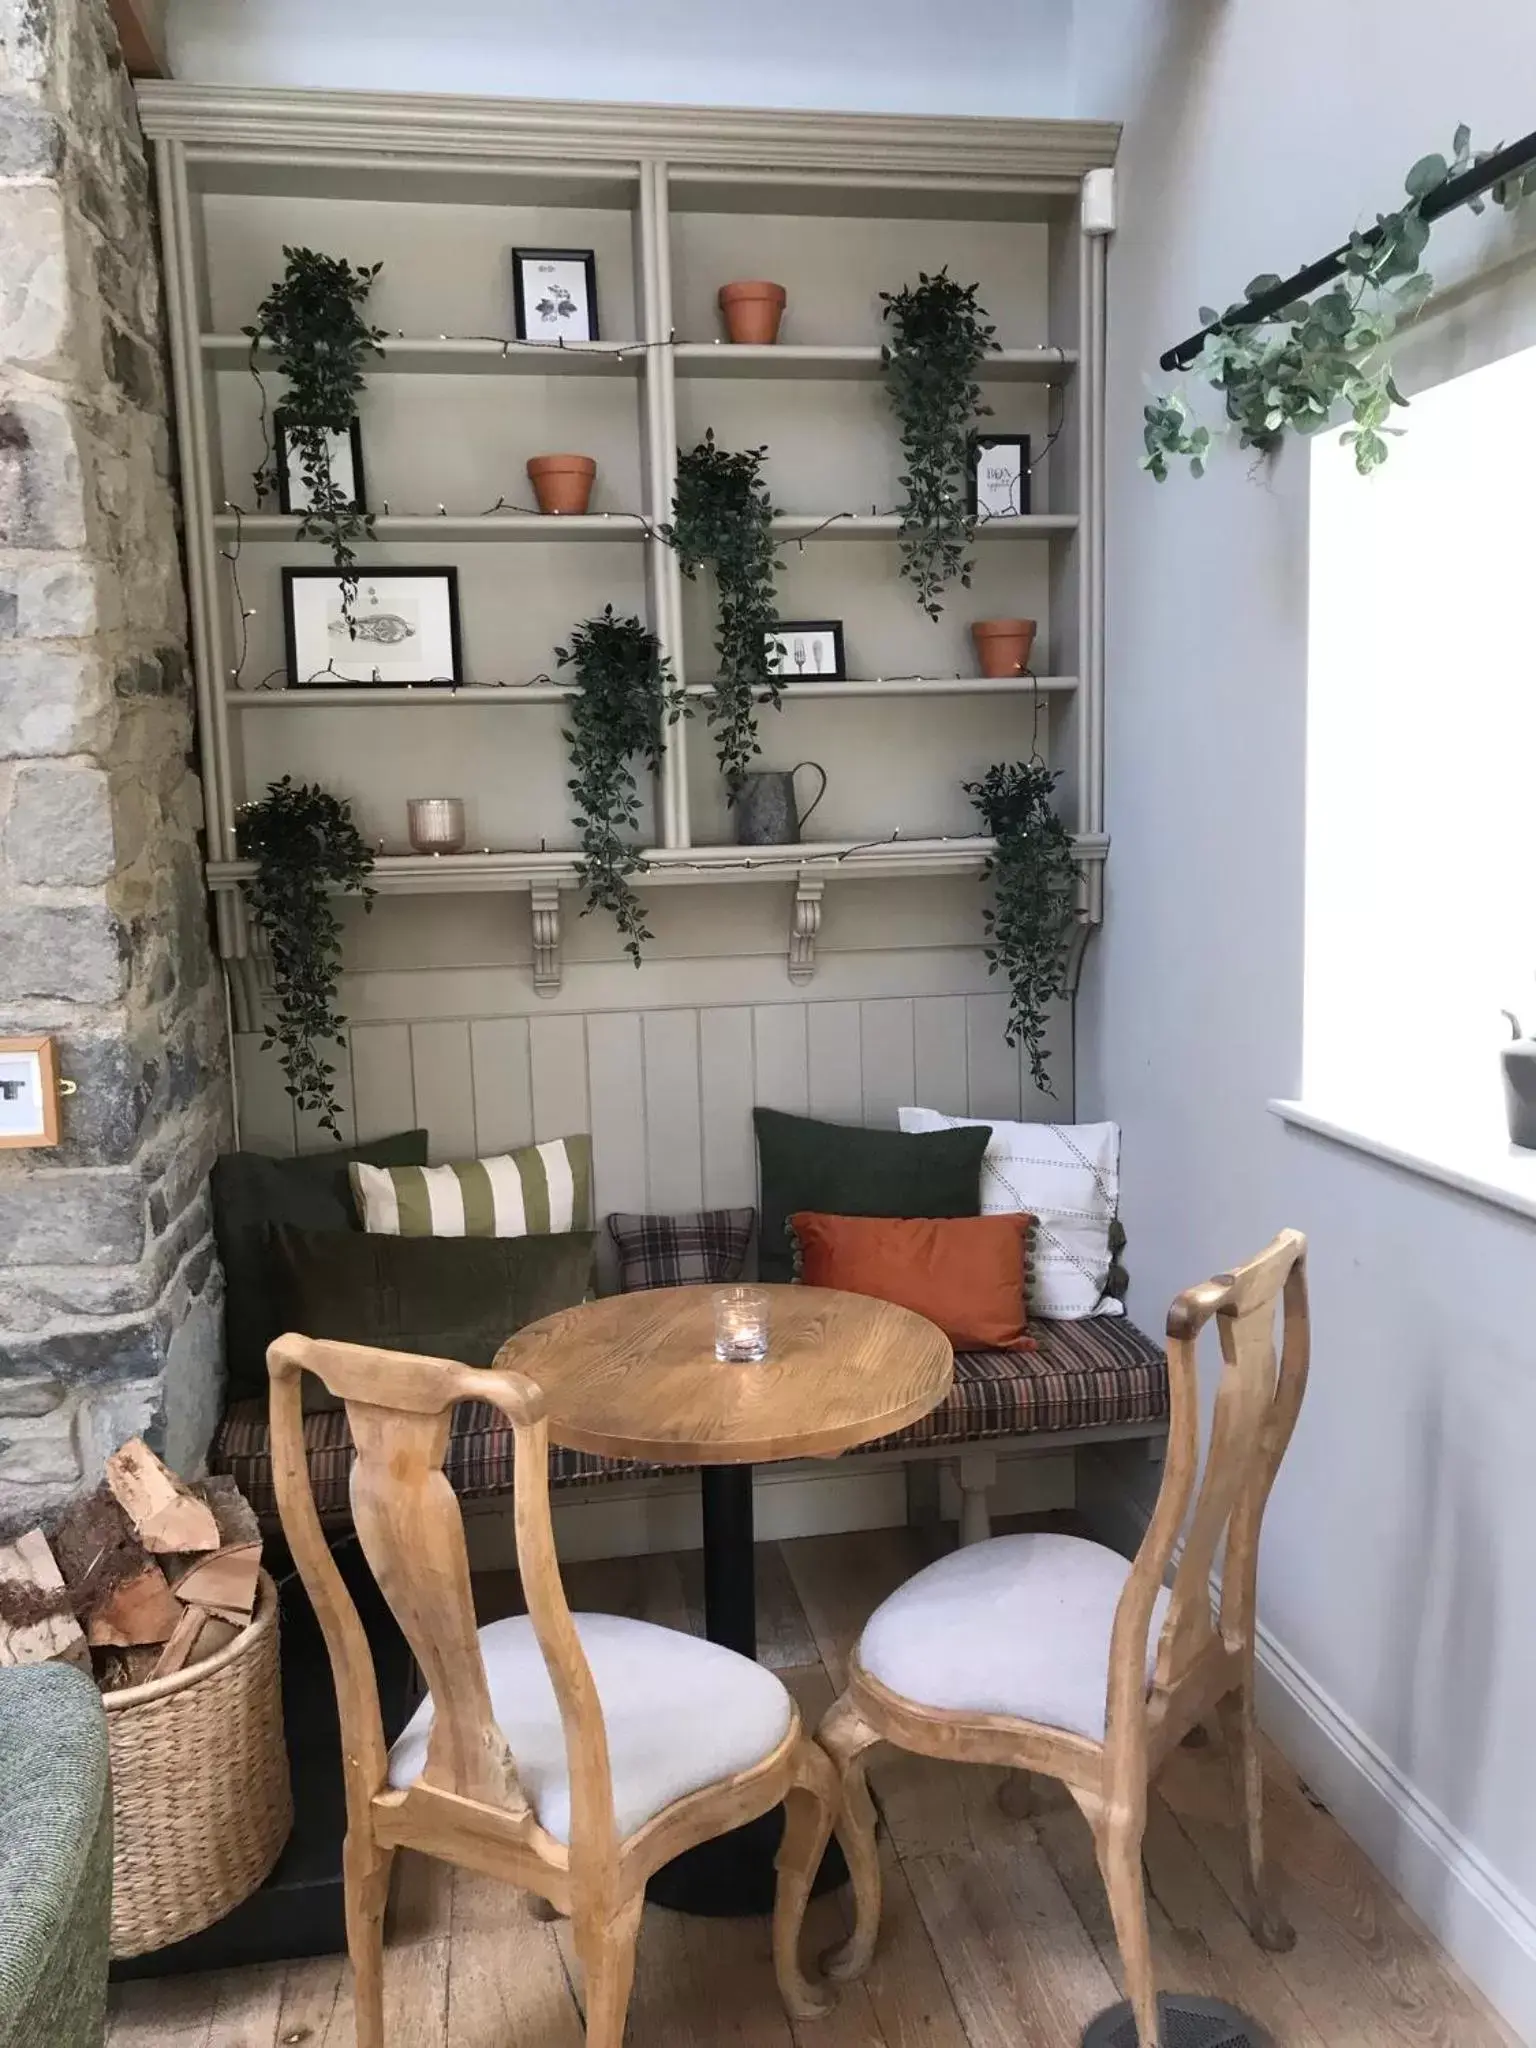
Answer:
(402, 627)
(346, 457)
(554, 294)
(997, 486)
(807, 649)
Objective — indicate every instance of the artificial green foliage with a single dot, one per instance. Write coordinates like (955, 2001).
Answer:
(939, 338)
(312, 320)
(624, 696)
(306, 846)
(1034, 877)
(1296, 371)
(722, 515)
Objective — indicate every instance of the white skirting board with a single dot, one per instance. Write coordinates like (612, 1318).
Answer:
(633, 1520)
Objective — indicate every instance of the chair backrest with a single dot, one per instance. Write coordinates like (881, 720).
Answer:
(1258, 1398)
(399, 1409)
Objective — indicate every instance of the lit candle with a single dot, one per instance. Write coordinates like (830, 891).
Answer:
(741, 1325)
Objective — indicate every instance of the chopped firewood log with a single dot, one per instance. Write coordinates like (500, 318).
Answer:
(224, 1579)
(217, 1634)
(118, 1669)
(137, 1610)
(166, 1515)
(117, 1590)
(37, 1623)
(181, 1642)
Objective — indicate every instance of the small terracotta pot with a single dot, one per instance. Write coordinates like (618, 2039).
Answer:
(562, 483)
(1003, 646)
(753, 310)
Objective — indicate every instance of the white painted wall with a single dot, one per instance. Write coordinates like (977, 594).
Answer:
(1007, 57)
(1400, 1553)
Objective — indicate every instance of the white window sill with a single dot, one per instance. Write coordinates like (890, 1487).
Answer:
(1480, 1164)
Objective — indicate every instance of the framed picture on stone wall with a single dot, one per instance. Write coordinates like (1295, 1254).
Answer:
(346, 458)
(29, 1093)
(402, 628)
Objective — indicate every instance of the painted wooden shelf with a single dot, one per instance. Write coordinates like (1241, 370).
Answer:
(453, 526)
(429, 696)
(463, 355)
(887, 526)
(788, 359)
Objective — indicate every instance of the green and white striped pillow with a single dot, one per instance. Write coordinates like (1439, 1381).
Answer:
(539, 1191)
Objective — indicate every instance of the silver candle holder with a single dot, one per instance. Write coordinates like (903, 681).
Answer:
(436, 823)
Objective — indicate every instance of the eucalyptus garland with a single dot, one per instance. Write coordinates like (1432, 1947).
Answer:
(625, 695)
(312, 321)
(306, 846)
(940, 337)
(1034, 877)
(722, 515)
(1293, 372)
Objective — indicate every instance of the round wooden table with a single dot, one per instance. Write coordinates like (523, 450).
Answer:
(636, 1376)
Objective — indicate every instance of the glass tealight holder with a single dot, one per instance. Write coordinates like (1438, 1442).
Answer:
(741, 1325)
(436, 823)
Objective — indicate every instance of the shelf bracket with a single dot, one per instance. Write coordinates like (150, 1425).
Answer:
(804, 926)
(545, 898)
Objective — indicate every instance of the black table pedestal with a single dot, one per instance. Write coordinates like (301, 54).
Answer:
(732, 1876)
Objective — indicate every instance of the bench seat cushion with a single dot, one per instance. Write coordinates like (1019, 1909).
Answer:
(1085, 1375)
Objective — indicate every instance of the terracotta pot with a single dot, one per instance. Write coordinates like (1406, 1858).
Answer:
(562, 483)
(1003, 646)
(753, 310)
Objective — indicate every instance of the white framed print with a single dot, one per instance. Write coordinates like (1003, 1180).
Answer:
(554, 294)
(29, 1093)
(997, 486)
(345, 451)
(806, 649)
(401, 628)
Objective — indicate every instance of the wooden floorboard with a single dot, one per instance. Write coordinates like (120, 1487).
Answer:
(995, 1932)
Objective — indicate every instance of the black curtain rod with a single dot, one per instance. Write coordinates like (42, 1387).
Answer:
(1504, 163)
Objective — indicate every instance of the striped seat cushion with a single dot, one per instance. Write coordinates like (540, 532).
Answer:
(1085, 1375)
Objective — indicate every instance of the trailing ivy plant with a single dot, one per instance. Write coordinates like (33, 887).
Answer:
(306, 845)
(722, 515)
(312, 320)
(624, 697)
(1295, 372)
(939, 338)
(1034, 877)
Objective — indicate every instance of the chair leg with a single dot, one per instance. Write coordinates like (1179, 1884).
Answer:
(1119, 1845)
(1266, 1923)
(606, 1947)
(1016, 1795)
(365, 1869)
(847, 1739)
(976, 1474)
(809, 1811)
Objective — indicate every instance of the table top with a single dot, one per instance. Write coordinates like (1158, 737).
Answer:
(636, 1376)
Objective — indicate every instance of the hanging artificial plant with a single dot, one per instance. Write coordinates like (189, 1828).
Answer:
(722, 515)
(1293, 372)
(940, 337)
(305, 846)
(1034, 898)
(624, 696)
(312, 321)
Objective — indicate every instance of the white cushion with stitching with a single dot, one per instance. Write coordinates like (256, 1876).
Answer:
(681, 1713)
(1018, 1625)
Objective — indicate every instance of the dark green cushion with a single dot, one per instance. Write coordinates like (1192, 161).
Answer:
(451, 1297)
(251, 1193)
(843, 1170)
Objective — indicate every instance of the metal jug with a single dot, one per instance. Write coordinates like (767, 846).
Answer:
(765, 806)
(1520, 1086)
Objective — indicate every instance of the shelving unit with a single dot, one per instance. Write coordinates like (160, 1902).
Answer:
(675, 202)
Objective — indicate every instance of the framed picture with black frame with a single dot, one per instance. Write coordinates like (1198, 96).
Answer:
(554, 294)
(401, 629)
(807, 650)
(346, 453)
(997, 476)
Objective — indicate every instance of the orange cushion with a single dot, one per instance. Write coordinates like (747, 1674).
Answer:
(965, 1273)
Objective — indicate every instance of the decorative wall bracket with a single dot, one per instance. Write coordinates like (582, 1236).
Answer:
(545, 899)
(804, 925)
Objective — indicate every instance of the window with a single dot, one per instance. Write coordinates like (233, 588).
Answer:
(1421, 762)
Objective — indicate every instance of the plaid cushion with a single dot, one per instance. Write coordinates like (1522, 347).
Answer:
(702, 1246)
(1084, 1375)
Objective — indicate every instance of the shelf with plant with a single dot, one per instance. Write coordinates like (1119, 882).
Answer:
(856, 362)
(538, 527)
(451, 355)
(889, 526)
(428, 696)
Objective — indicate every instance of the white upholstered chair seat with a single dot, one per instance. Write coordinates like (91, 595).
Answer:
(1019, 1625)
(680, 1713)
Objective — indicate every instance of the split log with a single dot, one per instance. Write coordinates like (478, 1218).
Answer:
(181, 1642)
(37, 1624)
(136, 1611)
(224, 1579)
(166, 1515)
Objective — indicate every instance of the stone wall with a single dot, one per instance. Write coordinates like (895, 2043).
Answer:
(109, 1287)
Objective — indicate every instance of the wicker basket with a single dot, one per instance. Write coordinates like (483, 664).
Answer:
(201, 1803)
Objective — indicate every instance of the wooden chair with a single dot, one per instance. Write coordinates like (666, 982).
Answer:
(570, 1757)
(1049, 1653)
